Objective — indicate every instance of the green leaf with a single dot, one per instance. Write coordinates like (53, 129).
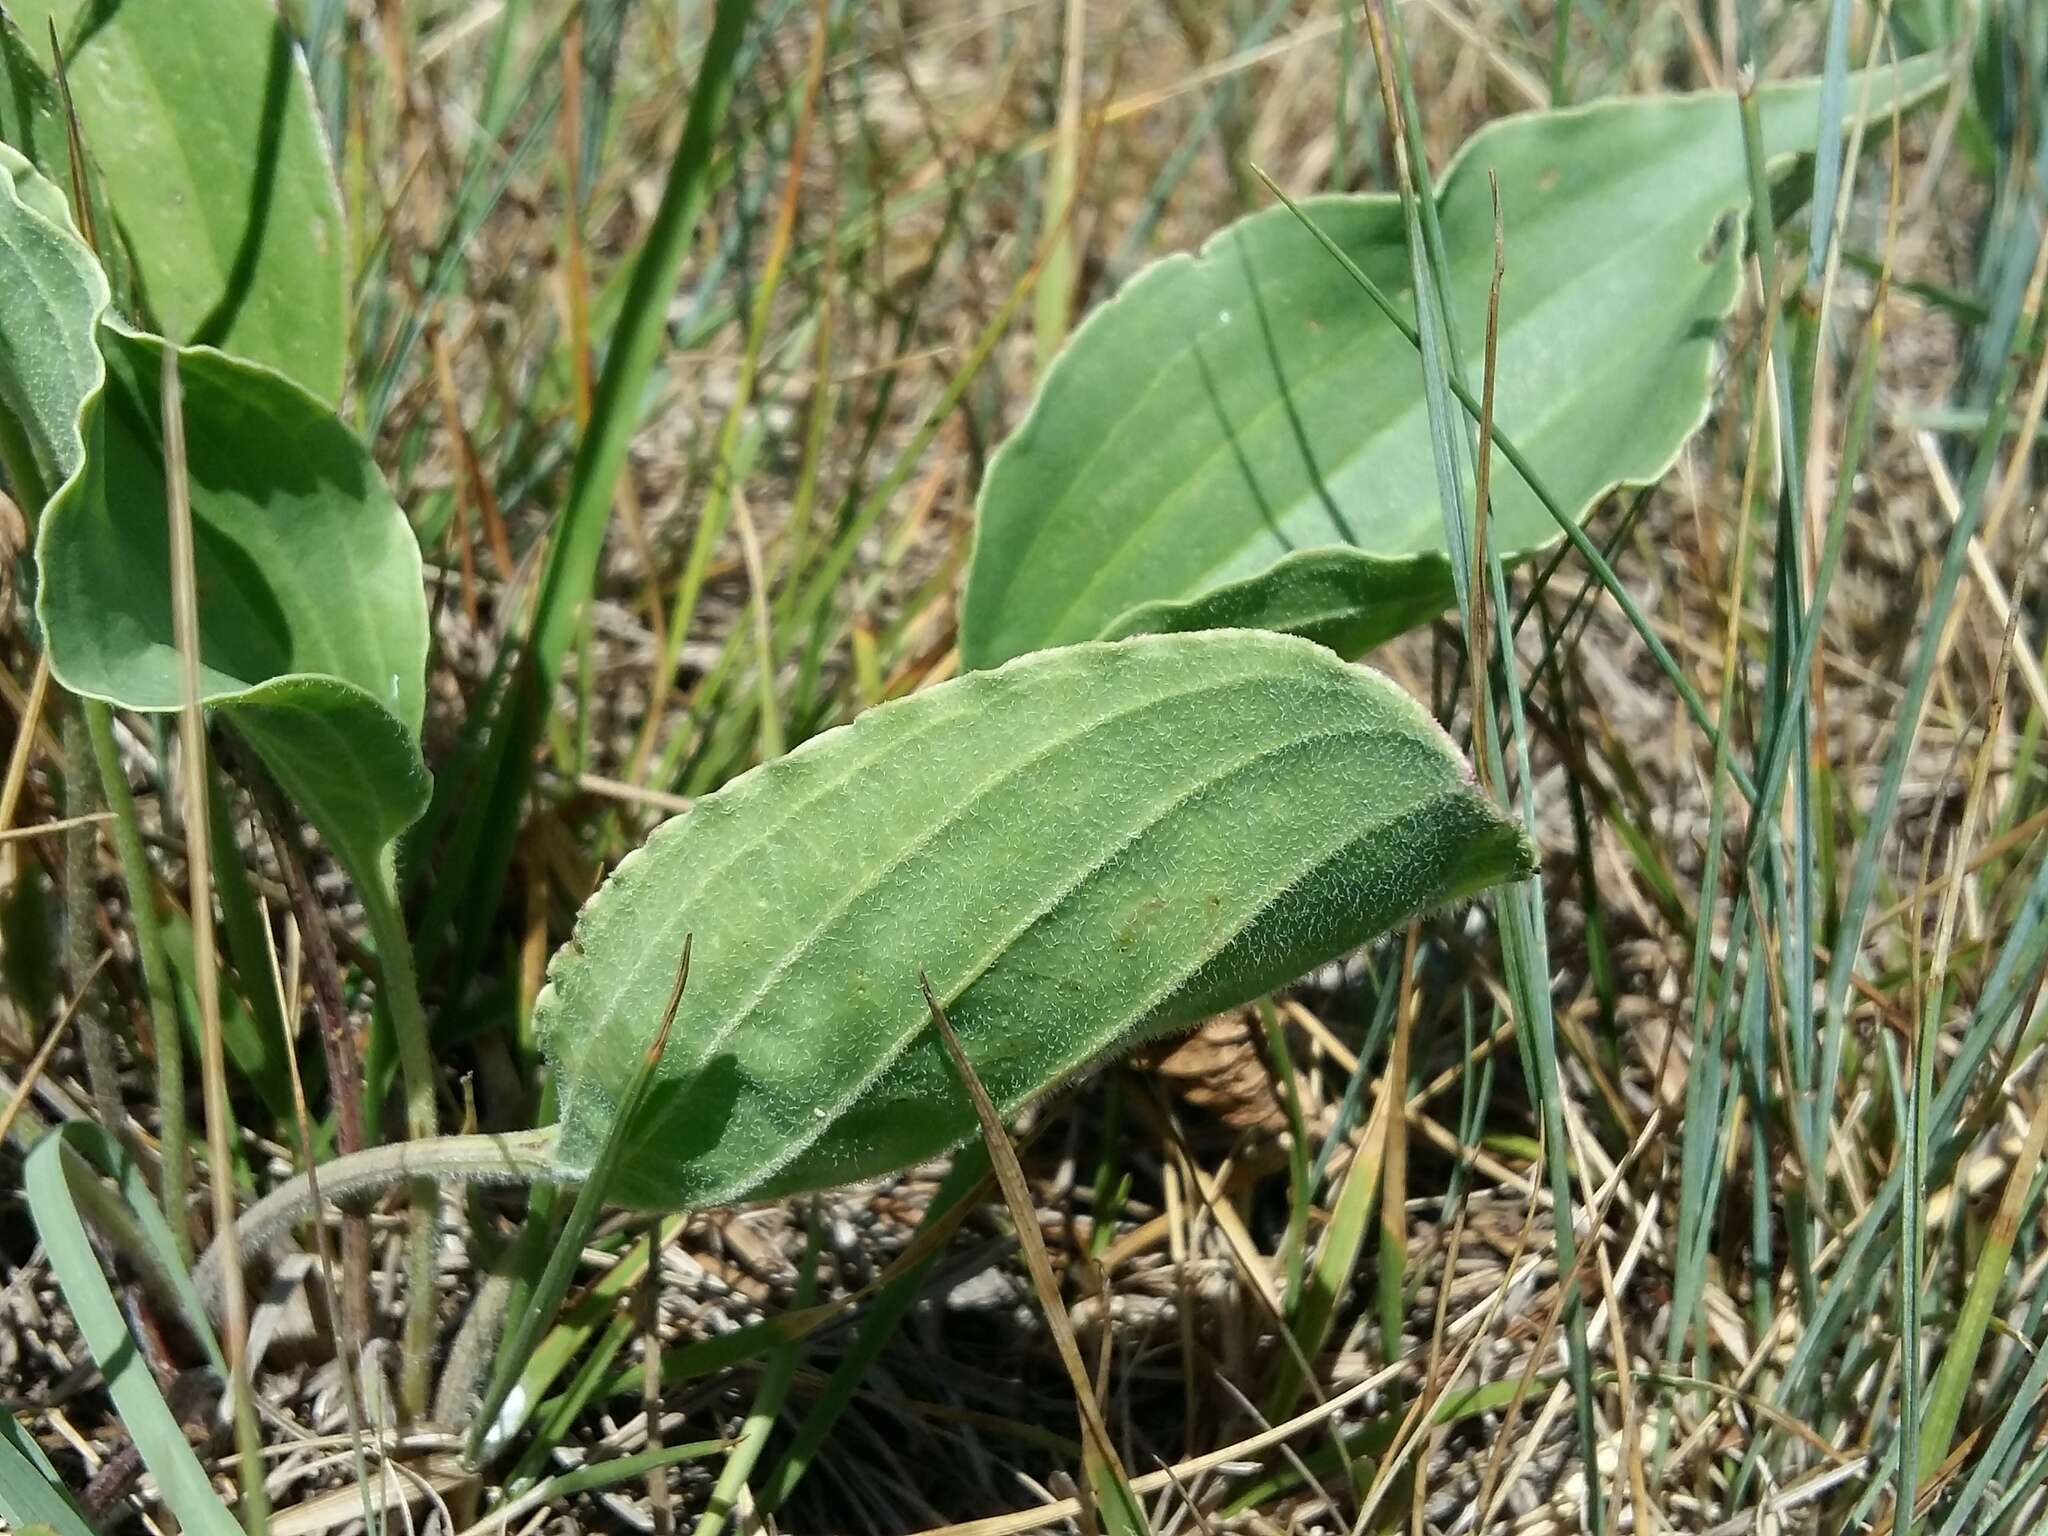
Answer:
(52, 293)
(201, 120)
(312, 615)
(1236, 438)
(1080, 849)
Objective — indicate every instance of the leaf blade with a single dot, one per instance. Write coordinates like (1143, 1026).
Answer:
(182, 1482)
(1234, 409)
(313, 623)
(1060, 845)
(202, 121)
(52, 293)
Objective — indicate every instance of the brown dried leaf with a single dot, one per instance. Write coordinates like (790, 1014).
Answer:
(1221, 1068)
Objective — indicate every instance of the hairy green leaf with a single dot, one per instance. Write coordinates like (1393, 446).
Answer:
(312, 616)
(1079, 849)
(51, 296)
(1238, 438)
(201, 121)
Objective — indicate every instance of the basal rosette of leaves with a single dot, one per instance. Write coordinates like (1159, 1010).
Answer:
(1238, 438)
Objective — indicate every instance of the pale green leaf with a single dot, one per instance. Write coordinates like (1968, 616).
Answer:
(33, 122)
(1211, 435)
(51, 296)
(312, 615)
(201, 120)
(1080, 849)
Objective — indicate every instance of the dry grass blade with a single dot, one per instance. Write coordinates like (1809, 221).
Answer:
(219, 1115)
(1183, 1470)
(1024, 1214)
(1952, 1380)
(61, 824)
(17, 1100)
(285, 978)
(750, 373)
(24, 742)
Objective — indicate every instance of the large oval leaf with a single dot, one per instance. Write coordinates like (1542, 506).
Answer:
(1080, 848)
(1240, 433)
(201, 120)
(312, 616)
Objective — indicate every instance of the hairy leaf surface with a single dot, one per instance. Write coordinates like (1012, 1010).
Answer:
(51, 296)
(1238, 437)
(1081, 848)
(202, 124)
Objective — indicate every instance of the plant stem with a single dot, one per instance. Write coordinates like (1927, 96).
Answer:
(507, 1158)
(169, 1039)
(401, 994)
(337, 1039)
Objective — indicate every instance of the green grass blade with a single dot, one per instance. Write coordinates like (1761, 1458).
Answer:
(1328, 1281)
(956, 1192)
(1524, 940)
(182, 1482)
(1580, 542)
(30, 1493)
(769, 1397)
(592, 1477)
(1870, 849)
(556, 1419)
(2007, 1436)
(593, 1311)
(567, 578)
(489, 1431)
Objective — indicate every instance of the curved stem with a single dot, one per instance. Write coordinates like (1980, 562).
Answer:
(514, 1157)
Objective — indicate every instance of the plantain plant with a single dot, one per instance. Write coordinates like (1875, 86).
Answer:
(1141, 806)
(1094, 844)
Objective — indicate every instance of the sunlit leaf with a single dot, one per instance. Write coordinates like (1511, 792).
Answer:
(1083, 848)
(201, 121)
(312, 614)
(51, 296)
(1239, 438)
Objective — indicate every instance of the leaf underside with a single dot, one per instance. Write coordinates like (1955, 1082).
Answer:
(51, 296)
(1239, 438)
(1082, 848)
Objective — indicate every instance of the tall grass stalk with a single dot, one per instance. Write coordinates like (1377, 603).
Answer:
(219, 1116)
